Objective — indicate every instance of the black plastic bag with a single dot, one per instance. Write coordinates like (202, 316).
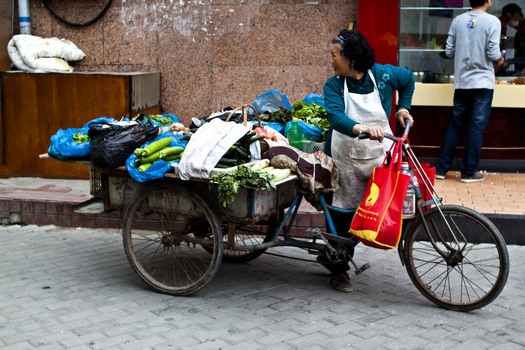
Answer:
(112, 144)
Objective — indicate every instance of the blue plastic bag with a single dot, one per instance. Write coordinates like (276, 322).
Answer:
(271, 100)
(314, 98)
(310, 132)
(100, 120)
(159, 167)
(64, 147)
(275, 126)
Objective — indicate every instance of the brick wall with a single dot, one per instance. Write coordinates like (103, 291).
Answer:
(211, 54)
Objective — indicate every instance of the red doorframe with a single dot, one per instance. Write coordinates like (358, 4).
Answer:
(378, 21)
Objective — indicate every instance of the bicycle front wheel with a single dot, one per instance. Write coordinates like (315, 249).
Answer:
(462, 263)
(172, 239)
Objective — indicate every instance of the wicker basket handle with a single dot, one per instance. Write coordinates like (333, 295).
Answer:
(244, 109)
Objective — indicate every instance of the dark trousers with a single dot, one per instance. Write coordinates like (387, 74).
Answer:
(471, 111)
(342, 223)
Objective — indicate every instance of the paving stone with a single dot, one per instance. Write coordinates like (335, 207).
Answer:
(96, 301)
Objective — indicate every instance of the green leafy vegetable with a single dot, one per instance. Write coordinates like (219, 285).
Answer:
(313, 114)
(80, 138)
(161, 119)
(227, 185)
(281, 115)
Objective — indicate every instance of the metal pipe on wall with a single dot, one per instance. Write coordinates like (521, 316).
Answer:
(24, 17)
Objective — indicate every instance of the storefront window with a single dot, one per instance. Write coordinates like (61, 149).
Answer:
(423, 31)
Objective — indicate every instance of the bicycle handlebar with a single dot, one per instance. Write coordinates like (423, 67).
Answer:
(365, 135)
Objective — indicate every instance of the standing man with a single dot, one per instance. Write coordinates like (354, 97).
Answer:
(473, 41)
(511, 16)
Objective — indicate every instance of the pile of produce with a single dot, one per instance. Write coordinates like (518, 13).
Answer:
(312, 114)
(276, 174)
(281, 116)
(161, 119)
(156, 150)
(259, 175)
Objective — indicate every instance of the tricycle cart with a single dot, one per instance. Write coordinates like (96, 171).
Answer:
(176, 234)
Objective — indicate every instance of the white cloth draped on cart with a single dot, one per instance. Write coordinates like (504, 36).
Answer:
(209, 143)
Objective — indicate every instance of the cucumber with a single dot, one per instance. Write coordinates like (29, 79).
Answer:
(222, 166)
(242, 152)
(170, 151)
(156, 146)
(151, 158)
(173, 157)
(186, 136)
(255, 138)
(144, 167)
(138, 151)
(228, 161)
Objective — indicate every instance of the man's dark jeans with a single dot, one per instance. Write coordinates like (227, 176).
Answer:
(471, 110)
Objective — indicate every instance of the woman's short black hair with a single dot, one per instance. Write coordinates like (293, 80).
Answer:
(355, 47)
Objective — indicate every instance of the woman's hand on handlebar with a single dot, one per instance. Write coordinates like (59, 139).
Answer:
(376, 132)
(372, 132)
(402, 115)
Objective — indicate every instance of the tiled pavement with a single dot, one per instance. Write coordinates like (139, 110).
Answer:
(73, 288)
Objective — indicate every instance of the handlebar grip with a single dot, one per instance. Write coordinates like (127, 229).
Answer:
(363, 136)
(407, 127)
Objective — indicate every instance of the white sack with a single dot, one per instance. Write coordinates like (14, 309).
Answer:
(35, 54)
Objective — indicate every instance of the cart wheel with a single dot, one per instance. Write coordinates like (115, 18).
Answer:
(172, 239)
(247, 236)
(468, 265)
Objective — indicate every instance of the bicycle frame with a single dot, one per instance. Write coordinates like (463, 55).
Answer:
(421, 204)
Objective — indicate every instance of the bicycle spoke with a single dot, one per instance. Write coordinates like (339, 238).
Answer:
(461, 263)
(172, 239)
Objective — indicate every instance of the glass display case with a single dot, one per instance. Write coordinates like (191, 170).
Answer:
(423, 29)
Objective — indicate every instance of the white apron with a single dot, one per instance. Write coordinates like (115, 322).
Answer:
(356, 158)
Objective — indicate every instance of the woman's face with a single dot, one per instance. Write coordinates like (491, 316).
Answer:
(340, 64)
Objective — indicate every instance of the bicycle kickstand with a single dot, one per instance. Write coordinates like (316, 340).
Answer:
(358, 270)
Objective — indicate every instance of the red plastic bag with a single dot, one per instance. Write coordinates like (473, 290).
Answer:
(378, 219)
(430, 172)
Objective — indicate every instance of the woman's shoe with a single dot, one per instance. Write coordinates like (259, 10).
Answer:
(341, 282)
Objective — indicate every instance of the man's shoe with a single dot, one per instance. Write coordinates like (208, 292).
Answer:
(477, 177)
(440, 176)
(341, 283)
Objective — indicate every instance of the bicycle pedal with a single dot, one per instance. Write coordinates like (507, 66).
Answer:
(362, 268)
